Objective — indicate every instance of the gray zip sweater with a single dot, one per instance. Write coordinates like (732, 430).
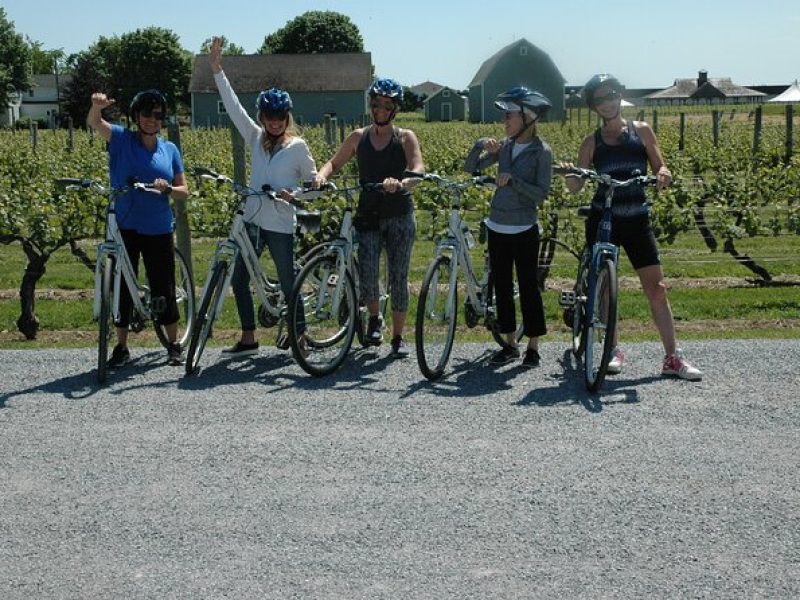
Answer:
(517, 203)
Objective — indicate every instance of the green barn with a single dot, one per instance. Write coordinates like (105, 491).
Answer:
(320, 85)
(520, 63)
(446, 105)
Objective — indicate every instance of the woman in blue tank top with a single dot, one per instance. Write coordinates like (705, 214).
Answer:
(620, 148)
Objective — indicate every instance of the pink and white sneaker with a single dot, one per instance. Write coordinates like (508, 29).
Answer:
(675, 364)
(615, 364)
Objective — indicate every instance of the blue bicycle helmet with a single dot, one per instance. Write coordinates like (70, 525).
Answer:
(388, 88)
(274, 102)
(521, 99)
(147, 100)
(598, 81)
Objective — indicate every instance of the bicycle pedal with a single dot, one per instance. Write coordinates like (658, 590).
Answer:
(567, 298)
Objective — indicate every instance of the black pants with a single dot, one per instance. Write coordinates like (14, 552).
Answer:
(158, 253)
(520, 250)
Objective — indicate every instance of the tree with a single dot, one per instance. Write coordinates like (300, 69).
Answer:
(44, 62)
(411, 101)
(227, 47)
(315, 31)
(121, 66)
(14, 61)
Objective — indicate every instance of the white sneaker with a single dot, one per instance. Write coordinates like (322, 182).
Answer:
(615, 364)
(675, 364)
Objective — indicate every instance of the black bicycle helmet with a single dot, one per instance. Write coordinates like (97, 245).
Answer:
(521, 99)
(598, 81)
(147, 100)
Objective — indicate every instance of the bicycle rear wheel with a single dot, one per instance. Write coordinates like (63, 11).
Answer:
(321, 342)
(106, 318)
(206, 314)
(185, 298)
(437, 313)
(600, 330)
(500, 338)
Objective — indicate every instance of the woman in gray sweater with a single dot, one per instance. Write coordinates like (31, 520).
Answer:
(523, 182)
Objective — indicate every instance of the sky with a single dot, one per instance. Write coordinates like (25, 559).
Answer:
(644, 43)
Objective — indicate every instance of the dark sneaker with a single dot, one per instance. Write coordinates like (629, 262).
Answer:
(504, 356)
(175, 355)
(532, 358)
(120, 355)
(399, 347)
(375, 330)
(240, 349)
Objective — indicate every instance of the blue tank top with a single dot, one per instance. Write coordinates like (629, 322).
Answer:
(376, 165)
(621, 161)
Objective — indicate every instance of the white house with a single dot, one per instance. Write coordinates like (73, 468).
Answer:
(10, 115)
(42, 100)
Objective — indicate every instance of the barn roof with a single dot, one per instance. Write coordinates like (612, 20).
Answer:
(341, 72)
(713, 87)
(489, 64)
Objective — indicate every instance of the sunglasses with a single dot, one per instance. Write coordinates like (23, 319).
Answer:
(388, 106)
(609, 97)
(155, 114)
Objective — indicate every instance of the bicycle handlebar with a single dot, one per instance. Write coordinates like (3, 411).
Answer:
(477, 179)
(71, 183)
(244, 190)
(604, 178)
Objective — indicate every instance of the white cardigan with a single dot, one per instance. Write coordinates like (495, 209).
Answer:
(289, 166)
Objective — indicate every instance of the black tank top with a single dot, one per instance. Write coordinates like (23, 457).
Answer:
(376, 165)
(621, 161)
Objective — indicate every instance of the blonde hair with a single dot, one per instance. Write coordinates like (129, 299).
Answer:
(291, 131)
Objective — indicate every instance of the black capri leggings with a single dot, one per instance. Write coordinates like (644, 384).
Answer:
(158, 253)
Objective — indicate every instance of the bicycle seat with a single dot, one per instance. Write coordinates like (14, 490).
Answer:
(309, 220)
(584, 211)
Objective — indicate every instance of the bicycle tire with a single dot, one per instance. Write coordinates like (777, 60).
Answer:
(383, 300)
(322, 343)
(206, 315)
(437, 314)
(185, 299)
(600, 332)
(106, 318)
(500, 338)
(578, 324)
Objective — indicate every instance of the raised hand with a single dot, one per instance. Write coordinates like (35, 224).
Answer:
(215, 54)
(100, 100)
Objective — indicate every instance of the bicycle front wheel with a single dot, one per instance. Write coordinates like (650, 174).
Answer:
(579, 308)
(600, 328)
(106, 318)
(328, 305)
(437, 313)
(206, 314)
(185, 299)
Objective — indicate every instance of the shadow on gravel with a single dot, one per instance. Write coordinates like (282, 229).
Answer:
(466, 377)
(571, 389)
(84, 385)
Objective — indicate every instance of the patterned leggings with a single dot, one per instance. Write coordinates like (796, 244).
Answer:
(396, 235)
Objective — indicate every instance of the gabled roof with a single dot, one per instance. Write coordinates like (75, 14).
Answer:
(716, 87)
(342, 72)
(429, 88)
(790, 94)
(445, 88)
(489, 64)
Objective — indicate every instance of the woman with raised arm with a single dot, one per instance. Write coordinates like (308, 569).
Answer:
(145, 219)
(384, 219)
(280, 158)
(621, 148)
(523, 182)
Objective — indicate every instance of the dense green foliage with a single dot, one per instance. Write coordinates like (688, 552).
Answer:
(14, 60)
(315, 31)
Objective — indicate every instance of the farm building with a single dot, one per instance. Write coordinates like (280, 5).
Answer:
(43, 99)
(446, 105)
(704, 90)
(426, 88)
(520, 63)
(320, 84)
(790, 95)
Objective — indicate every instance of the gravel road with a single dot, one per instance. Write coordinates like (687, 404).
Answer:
(255, 480)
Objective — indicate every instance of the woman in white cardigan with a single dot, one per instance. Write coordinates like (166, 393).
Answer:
(280, 159)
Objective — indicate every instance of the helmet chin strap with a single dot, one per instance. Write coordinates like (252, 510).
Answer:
(524, 128)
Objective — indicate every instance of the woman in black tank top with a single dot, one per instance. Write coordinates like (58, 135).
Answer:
(619, 148)
(384, 220)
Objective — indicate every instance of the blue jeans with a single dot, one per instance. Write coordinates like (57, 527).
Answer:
(281, 248)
